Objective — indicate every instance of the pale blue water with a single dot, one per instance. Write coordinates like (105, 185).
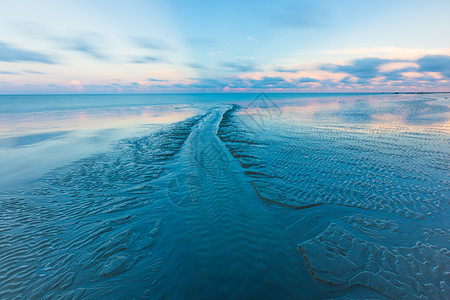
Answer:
(219, 196)
(39, 103)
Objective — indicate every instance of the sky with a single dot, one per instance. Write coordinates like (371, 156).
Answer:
(176, 46)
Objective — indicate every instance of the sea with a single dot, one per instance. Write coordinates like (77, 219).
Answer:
(225, 196)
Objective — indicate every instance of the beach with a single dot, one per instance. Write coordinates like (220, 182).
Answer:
(271, 196)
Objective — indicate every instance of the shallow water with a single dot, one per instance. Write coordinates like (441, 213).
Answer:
(300, 197)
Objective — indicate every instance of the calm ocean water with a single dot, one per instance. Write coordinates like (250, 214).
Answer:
(39, 103)
(235, 196)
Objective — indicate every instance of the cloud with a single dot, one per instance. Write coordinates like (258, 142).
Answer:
(240, 66)
(195, 66)
(8, 73)
(84, 46)
(150, 43)
(208, 83)
(308, 80)
(236, 83)
(282, 70)
(76, 84)
(87, 44)
(391, 66)
(396, 53)
(363, 69)
(156, 80)
(32, 72)
(435, 63)
(271, 82)
(371, 73)
(147, 59)
(376, 72)
(9, 53)
(398, 74)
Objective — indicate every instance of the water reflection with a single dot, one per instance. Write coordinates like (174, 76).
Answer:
(31, 144)
(95, 119)
(373, 111)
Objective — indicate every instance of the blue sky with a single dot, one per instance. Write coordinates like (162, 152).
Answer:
(224, 46)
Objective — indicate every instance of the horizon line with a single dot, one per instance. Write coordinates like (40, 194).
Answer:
(186, 93)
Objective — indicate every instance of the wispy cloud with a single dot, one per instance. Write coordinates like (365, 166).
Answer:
(385, 52)
(21, 72)
(238, 66)
(195, 66)
(284, 70)
(82, 45)
(156, 80)
(8, 73)
(147, 60)
(32, 72)
(150, 43)
(87, 43)
(9, 53)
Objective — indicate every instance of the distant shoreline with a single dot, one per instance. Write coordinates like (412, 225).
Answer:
(225, 93)
(418, 93)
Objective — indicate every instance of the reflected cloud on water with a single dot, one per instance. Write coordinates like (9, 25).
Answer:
(374, 111)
